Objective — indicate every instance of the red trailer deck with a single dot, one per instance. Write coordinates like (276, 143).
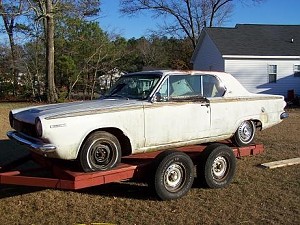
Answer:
(62, 175)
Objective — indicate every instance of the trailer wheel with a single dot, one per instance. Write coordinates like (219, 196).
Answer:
(100, 151)
(244, 134)
(217, 167)
(174, 175)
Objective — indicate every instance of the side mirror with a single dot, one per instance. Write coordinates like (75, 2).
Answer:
(156, 97)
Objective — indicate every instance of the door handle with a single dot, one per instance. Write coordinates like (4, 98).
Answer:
(205, 104)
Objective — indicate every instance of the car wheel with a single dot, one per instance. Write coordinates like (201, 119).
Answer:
(217, 166)
(174, 175)
(244, 134)
(100, 151)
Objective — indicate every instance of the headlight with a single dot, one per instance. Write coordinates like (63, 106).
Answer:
(38, 127)
(11, 119)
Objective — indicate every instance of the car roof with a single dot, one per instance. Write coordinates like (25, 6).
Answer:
(234, 88)
(178, 72)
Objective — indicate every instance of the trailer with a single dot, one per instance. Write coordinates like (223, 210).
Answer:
(170, 173)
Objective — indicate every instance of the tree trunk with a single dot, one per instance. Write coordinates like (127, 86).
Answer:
(51, 89)
(13, 62)
(9, 23)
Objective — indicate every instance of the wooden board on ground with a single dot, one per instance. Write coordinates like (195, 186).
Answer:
(281, 163)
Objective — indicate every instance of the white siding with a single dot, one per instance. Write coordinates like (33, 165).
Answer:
(253, 75)
(208, 57)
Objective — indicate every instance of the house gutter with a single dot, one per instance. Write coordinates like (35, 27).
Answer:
(259, 57)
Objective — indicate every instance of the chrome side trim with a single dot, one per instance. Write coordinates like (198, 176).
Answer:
(30, 142)
(284, 115)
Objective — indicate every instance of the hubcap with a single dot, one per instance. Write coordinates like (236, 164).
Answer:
(219, 167)
(173, 177)
(245, 131)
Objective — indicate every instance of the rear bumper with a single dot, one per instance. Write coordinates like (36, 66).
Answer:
(284, 115)
(32, 143)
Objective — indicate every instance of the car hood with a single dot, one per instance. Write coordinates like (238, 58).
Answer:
(29, 115)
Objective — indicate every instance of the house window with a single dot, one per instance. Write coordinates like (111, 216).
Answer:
(296, 70)
(272, 73)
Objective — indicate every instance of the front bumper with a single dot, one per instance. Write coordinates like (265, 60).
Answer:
(32, 143)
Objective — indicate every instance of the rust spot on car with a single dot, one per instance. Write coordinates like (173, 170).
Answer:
(237, 99)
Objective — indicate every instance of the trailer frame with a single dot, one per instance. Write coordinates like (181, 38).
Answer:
(64, 175)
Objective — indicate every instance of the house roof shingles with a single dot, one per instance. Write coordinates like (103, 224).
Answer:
(257, 40)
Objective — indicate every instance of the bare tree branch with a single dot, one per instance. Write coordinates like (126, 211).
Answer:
(187, 16)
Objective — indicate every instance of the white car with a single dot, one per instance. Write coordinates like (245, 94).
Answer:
(147, 111)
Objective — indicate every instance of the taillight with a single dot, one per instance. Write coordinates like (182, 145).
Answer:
(38, 127)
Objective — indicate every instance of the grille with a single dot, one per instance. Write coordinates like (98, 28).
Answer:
(26, 128)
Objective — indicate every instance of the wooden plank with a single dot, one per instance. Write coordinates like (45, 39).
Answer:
(281, 163)
(37, 182)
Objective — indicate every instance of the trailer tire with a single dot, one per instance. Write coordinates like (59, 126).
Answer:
(217, 166)
(174, 175)
(100, 151)
(245, 133)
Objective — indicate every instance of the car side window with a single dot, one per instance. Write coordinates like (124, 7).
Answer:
(180, 86)
(212, 87)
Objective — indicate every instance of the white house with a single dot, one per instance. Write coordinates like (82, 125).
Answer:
(264, 58)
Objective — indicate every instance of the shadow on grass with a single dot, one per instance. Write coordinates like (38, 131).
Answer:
(139, 190)
(10, 151)
(129, 190)
(7, 191)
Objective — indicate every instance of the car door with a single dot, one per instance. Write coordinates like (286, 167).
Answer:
(222, 111)
(179, 114)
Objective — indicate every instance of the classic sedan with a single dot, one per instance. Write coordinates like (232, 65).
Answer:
(147, 111)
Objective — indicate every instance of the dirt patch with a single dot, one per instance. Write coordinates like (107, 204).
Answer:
(256, 196)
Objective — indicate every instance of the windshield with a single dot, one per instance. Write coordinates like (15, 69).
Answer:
(134, 86)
